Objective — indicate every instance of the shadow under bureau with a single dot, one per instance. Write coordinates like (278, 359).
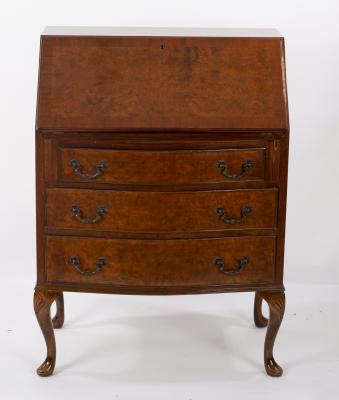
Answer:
(161, 165)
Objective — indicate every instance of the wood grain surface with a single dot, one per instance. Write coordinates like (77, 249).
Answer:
(124, 83)
(161, 211)
(160, 262)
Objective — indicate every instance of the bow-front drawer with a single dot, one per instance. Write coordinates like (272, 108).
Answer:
(160, 262)
(130, 211)
(162, 167)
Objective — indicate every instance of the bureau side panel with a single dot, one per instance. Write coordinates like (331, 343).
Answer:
(40, 205)
(281, 151)
(46, 171)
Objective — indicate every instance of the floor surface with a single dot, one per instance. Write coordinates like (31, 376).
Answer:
(171, 348)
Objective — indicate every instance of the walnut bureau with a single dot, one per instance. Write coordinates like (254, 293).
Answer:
(161, 165)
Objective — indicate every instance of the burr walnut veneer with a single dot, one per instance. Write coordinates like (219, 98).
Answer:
(161, 164)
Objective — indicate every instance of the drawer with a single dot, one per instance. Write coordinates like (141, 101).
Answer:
(162, 167)
(160, 262)
(130, 211)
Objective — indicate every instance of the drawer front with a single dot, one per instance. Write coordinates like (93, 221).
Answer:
(160, 262)
(121, 211)
(162, 167)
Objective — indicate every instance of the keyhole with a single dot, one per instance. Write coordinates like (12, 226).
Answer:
(162, 47)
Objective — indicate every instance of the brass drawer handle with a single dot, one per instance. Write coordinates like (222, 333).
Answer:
(76, 211)
(78, 169)
(245, 167)
(244, 213)
(75, 261)
(243, 262)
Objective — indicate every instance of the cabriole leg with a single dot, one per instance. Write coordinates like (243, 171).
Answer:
(276, 303)
(259, 320)
(43, 300)
(59, 318)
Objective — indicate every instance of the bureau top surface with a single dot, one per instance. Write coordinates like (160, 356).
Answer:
(158, 31)
(161, 79)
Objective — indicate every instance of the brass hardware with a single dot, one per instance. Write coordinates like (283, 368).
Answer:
(224, 169)
(76, 211)
(243, 262)
(78, 169)
(244, 213)
(75, 261)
